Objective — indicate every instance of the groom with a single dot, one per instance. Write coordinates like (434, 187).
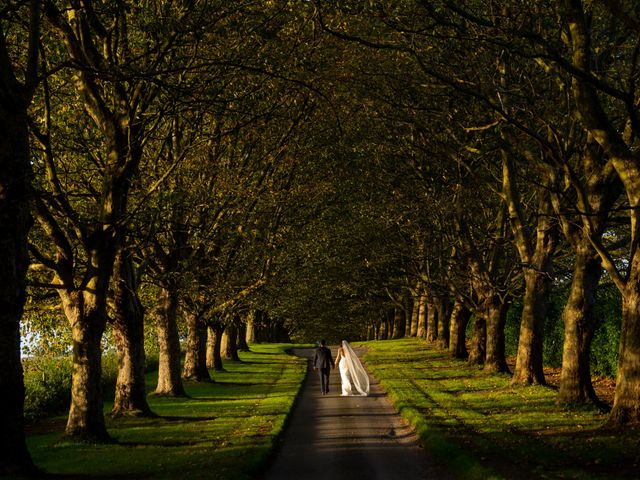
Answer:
(323, 361)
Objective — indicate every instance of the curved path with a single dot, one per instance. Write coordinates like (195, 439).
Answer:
(335, 437)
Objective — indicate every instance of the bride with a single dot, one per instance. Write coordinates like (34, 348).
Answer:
(352, 373)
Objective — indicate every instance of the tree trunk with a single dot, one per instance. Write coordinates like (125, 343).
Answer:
(195, 359)
(128, 330)
(88, 321)
(626, 403)
(421, 331)
(217, 330)
(231, 347)
(579, 327)
(477, 353)
(398, 322)
(432, 321)
(460, 316)
(495, 316)
(243, 346)
(410, 319)
(529, 366)
(251, 330)
(443, 322)
(371, 332)
(391, 315)
(415, 316)
(211, 341)
(536, 256)
(382, 333)
(169, 381)
(15, 222)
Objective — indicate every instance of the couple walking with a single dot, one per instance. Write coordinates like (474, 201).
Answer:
(353, 376)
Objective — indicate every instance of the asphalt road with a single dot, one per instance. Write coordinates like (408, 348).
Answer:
(335, 437)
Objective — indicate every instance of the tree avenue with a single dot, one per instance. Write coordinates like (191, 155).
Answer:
(203, 174)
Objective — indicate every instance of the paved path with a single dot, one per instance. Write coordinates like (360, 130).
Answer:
(334, 437)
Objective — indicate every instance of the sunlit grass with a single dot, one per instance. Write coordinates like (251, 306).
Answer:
(481, 427)
(224, 430)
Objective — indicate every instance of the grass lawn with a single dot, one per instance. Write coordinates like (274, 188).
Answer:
(224, 430)
(481, 427)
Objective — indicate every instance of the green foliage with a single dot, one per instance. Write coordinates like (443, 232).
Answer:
(47, 382)
(482, 427)
(554, 329)
(511, 329)
(223, 430)
(604, 349)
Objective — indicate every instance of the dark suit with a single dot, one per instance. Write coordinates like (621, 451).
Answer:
(323, 361)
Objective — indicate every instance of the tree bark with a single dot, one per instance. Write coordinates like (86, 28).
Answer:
(529, 364)
(398, 322)
(371, 332)
(579, 327)
(243, 345)
(460, 316)
(195, 359)
(626, 405)
(128, 330)
(169, 381)
(477, 352)
(230, 350)
(15, 222)
(443, 322)
(432, 321)
(384, 328)
(216, 332)
(211, 339)
(495, 312)
(421, 331)
(537, 282)
(251, 330)
(415, 316)
(88, 321)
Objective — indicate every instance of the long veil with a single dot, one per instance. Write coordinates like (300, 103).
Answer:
(359, 375)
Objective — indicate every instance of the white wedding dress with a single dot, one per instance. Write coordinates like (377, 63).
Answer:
(355, 380)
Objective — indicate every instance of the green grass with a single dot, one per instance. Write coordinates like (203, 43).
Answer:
(481, 427)
(224, 430)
